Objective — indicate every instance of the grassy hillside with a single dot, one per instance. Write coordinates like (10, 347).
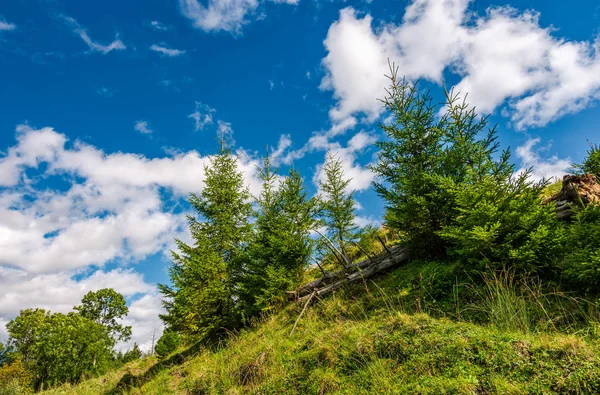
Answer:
(391, 336)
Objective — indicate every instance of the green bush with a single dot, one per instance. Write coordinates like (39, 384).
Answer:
(167, 344)
(15, 379)
(582, 261)
(502, 222)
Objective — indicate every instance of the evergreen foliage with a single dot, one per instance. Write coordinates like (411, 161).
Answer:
(338, 204)
(132, 355)
(281, 247)
(582, 261)
(168, 343)
(448, 188)
(202, 298)
(591, 163)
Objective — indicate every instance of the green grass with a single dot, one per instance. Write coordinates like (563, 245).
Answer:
(404, 334)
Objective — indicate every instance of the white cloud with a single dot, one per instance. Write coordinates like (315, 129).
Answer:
(360, 176)
(550, 167)
(7, 26)
(503, 58)
(225, 15)
(60, 292)
(167, 51)
(284, 143)
(321, 140)
(156, 25)
(112, 209)
(93, 45)
(144, 320)
(202, 116)
(142, 127)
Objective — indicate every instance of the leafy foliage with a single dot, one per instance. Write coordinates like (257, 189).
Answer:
(446, 188)
(56, 348)
(132, 355)
(501, 222)
(106, 307)
(14, 379)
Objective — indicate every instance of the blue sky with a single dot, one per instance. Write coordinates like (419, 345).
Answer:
(109, 110)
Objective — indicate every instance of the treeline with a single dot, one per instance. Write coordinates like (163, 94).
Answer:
(450, 194)
(45, 348)
(248, 251)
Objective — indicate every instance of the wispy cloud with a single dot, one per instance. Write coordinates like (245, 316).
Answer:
(202, 116)
(93, 45)
(550, 167)
(171, 52)
(6, 26)
(105, 91)
(142, 127)
(156, 25)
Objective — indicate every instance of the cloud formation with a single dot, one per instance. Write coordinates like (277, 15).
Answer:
(111, 208)
(504, 58)
(552, 167)
(7, 26)
(223, 15)
(142, 127)
(170, 52)
(93, 45)
(202, 116)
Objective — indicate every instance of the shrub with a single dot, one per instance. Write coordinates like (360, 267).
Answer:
(15, 379)
(168, 343)
(501, 222)
(582, 261)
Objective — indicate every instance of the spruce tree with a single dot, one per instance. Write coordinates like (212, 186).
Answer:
(202, 298)
(281, 245)
(338, 204)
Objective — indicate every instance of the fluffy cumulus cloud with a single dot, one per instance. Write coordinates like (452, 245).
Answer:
(94, 46)
(504, 58)
(551, 167)
(166, 51)
(224, 15)
(119, 207)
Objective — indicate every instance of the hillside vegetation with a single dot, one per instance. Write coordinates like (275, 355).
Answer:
(378, 337)
(496, 289)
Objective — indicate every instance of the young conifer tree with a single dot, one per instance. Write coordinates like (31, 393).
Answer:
(202, 298)
(338, 204)
(281, 246)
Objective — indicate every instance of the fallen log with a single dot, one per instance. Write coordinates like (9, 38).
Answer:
(333, 277)
(397, 256)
